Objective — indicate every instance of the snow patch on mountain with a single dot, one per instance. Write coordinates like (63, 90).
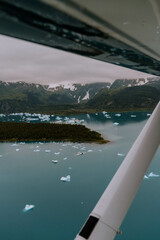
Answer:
(65, 85)
(86, 96)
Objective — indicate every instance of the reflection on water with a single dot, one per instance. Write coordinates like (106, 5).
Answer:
(29, 176)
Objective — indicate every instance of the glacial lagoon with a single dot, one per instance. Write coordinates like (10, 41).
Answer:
(29, 176)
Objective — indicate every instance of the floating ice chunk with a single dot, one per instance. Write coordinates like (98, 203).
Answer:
(58, 118)
(117, 115)
(66, 179)
(90, 150)
(145, 177)
(83, 148)
(120, 154)
(151, 174)
(65, 158)
(148, 114)
(57, 153)
(133, 116)
(54, 161)
(80, 153)
(75, 147)
(17, 149)
(115, 123)
(41, 143)
(14, 144)
(48, 151)
(28, 207)
(70, 168)
(104, 112)
(36, 150)
(22, 143)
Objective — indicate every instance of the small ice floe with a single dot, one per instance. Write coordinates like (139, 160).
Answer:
(28, 207)
(148, 114)
(106, 115)
(36, 150)
(75, 147)
(133, 116)
(22, 143)
(151, 174)
(14, 144)
(80, 153)
(54, 161)
(17, 149)
(48, 151)
(66, 179)
(90, 150)
(120, 154)
(117, 115)
(57, 153)
(104, 112)
(70, 168)
(65, 158)
(83, 148)
(146, 177)
(115, 123)
(41, 143)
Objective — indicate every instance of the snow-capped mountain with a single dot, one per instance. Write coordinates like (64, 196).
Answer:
(79, 92)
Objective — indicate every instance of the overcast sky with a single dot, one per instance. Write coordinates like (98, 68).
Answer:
(25, 61)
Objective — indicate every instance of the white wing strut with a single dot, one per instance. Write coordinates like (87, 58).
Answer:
(107, 216)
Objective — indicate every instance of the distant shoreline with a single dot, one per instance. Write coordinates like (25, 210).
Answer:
(27, 132)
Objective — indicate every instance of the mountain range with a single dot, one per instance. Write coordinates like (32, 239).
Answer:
(122, 94)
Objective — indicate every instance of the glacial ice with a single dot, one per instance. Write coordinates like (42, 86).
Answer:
(48, 151)
(66, 179)
(115, 123)
(151, 174)
(120, 154)
(55, 161)
(57, 153)
(28, 207)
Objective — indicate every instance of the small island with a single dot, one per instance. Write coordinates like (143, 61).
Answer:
(21, 131)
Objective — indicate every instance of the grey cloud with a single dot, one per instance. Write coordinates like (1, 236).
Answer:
(24, 61)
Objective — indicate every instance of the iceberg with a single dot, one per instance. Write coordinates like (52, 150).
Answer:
(120, 154)
(80, 153)
(145, 177)
(151, 174)
(57, 153)
(133, 116)
(66, 179)
(115, 123)
(117, 115)
(65, 158)
(17, 149)
(28, 207)
(90, 151)
(36, 150)
(54, 161)
(47, 151)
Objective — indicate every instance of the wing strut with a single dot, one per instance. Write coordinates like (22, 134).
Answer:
(107, 216)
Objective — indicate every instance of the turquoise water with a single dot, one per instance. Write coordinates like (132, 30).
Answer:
(29, 177)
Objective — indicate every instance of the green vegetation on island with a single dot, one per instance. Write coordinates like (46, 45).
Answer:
(10, 131)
